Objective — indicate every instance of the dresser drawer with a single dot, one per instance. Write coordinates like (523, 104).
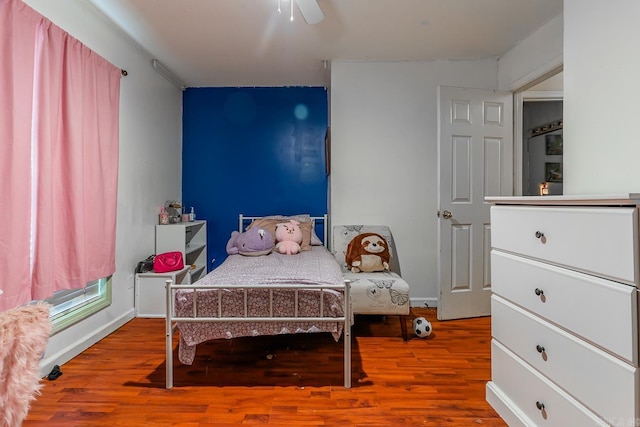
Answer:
(573, 364)
(598, 240)
(599, 310)
(527, 389)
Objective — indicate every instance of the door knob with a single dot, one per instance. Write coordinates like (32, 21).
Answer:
(447, 215)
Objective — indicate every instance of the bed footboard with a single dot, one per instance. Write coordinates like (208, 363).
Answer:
(172, 320)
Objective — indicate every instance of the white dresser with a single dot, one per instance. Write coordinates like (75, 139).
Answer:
(565, 278)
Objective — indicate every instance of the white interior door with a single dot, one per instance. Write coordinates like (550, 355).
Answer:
(475, 159)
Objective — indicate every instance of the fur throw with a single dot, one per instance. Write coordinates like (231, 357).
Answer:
(367, 252)
(24, 332)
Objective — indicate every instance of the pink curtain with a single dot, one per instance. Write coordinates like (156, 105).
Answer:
(17, 22)
(62, 159)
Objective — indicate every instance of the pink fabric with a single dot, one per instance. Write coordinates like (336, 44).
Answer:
(69, 134)
(17, 23)
(24, 332)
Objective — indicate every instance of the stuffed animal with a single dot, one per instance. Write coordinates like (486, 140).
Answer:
(253, 242)
(367, 252)
(288, 237)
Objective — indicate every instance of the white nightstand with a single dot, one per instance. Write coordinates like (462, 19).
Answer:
(150, 298)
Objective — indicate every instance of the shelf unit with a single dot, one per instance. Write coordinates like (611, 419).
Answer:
(190, 238)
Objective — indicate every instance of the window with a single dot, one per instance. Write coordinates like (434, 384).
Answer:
(73, 305)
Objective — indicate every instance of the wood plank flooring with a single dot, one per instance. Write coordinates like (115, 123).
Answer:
(290, 380)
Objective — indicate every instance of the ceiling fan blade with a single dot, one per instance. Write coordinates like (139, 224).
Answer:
(310, 11)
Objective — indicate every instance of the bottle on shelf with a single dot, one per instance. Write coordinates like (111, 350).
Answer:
(164, 216)
(192, 215)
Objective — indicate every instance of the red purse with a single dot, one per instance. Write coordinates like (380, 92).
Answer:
(168, 261)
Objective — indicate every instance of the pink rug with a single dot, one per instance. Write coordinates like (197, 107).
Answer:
(24, 332)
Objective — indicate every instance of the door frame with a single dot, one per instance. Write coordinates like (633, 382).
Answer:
(521, 95)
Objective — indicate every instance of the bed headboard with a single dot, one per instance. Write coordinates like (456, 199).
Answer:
(320, 222)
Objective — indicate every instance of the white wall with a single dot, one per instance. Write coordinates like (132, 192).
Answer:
(384, 153)
(601, 87)
(537, 55)
(150, 170)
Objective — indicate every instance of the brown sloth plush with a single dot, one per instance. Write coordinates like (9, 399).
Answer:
(367, 252)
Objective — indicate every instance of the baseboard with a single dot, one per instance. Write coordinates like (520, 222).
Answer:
(424, 302)
(63, 356)
(505, 407)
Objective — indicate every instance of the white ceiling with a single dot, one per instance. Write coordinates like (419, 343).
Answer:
(246, 43)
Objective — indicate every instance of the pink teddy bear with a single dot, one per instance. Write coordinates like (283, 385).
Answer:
(289, 237)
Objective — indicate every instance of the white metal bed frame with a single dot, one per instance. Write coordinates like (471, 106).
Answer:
(172, 320)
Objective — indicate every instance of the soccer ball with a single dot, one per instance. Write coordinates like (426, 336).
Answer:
(422, 327)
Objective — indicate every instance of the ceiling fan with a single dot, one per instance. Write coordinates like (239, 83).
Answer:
(309, 9)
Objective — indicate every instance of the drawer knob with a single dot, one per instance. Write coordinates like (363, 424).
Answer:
(539, 234)
(540, 405)
(539, 291)
(540, 348)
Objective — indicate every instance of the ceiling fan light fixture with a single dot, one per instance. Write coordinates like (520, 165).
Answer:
(309, 9)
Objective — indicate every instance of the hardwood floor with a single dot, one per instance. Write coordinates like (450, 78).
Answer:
(279, 381)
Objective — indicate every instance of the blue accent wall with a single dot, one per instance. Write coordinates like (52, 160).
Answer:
(256, 151)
